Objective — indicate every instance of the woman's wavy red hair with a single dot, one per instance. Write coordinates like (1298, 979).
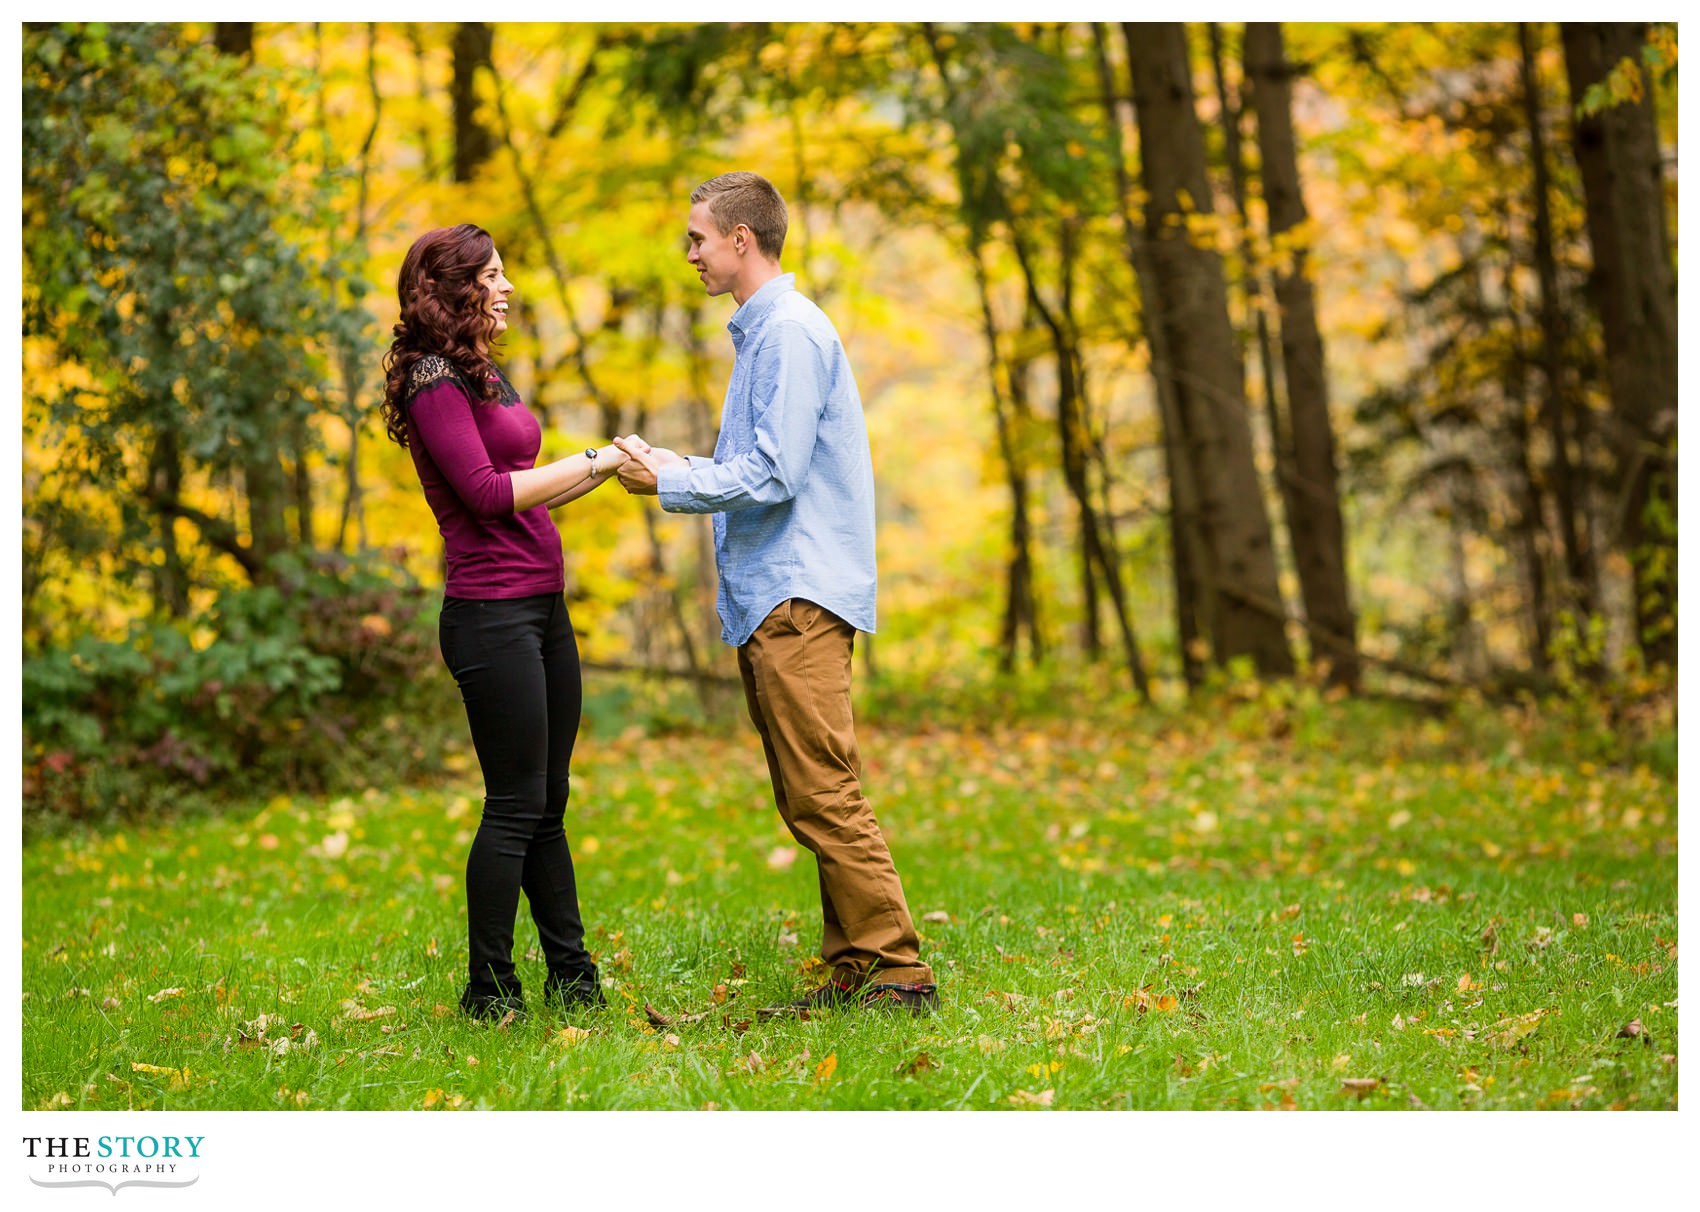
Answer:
(442, 313)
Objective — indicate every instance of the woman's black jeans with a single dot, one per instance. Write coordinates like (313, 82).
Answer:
(516, 662)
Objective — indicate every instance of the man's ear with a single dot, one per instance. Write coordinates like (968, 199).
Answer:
(743, 237)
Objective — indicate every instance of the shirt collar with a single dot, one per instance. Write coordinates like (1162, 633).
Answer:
(745, 319)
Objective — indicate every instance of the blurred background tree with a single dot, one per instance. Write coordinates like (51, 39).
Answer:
(1338, 352)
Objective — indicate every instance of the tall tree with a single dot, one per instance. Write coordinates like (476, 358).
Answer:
(1247, 617)
(1313, 497)
(1558, 408)
(1634, 288)
(143, 156)
(262, 470)
(234, 38)
(1186, 539)
(474, 143)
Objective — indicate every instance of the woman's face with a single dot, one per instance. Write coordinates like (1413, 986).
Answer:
(496, 288)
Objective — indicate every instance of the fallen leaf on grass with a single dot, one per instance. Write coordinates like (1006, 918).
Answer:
(825, 1070)
(58, 1102)
(921, 1064)
(1026, 1098)
(1363, 1087)
(164, 993)
(1508, 1032)
(1634, 1030)
(671, 1040)
(355, 1012)
(1144, 999)
(178, 1078)
(1300, 944)
(780, 858)
(937, 915)
(659, 1019)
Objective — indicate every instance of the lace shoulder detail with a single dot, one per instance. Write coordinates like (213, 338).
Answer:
(428, 370)
(434, 368)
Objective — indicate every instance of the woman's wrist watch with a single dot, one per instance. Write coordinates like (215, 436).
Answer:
(590, 453)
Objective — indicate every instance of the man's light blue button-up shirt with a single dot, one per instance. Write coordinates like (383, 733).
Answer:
(791, 483)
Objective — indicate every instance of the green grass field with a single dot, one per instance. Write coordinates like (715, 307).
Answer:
(1261, 906)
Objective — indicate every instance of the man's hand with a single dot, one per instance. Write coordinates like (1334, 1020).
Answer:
(643, 463)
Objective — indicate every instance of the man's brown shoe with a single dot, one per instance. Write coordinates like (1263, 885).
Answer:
(914, 999)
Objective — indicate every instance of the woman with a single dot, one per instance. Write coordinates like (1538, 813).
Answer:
(504, 628)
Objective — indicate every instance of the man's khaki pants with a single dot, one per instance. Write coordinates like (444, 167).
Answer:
(796, 670)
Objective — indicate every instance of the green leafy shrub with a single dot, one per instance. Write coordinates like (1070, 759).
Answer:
(325, 676)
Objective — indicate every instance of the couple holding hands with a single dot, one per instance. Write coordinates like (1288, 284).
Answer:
(790, 486)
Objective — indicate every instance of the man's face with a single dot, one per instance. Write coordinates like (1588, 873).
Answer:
(714, 256)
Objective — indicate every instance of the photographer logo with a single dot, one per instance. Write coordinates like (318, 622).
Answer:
(113, 1162)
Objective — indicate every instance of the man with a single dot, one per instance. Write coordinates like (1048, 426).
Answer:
(791, 488)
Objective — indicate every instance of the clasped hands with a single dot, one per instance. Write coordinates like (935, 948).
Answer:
(639, 470)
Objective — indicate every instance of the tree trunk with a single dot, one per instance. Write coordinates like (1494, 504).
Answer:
(165, 476)
(1192, 619)
(1313, 503)
(1019, 607)
(234, 37)
(262, 471)
(263, 480)
(1634, 288)
(1279, 445)
(474, 143)
(1250, 619)
(1529, 526)
(1096, 556)
(1558, 408)
(422, 91)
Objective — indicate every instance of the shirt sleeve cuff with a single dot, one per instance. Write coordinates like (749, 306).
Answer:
(672, 483)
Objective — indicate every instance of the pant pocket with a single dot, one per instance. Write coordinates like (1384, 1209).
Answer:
(802, 614)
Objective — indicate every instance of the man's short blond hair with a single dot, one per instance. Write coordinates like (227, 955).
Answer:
(750, 199)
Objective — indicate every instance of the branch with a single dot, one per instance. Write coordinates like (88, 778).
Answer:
(216, 532)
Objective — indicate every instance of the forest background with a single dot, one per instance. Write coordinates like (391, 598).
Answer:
(1191, 354)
